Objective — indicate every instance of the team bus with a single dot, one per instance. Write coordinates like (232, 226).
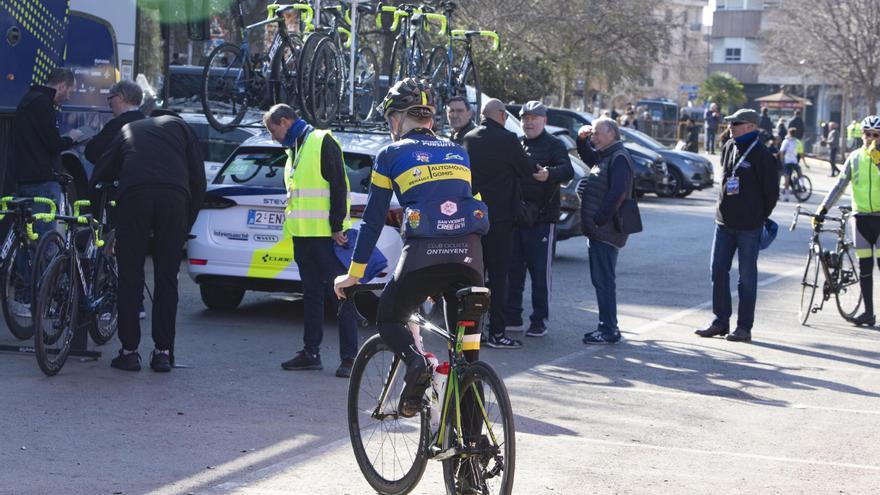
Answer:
(94, 38)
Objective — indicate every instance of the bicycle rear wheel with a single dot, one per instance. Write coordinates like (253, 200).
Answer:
(225, 86)
(51, 245)
(105, 286)
(17, 293)
(326, 81)
(848, 291)
(487, 418)
(391, 450)
(366, 83)
(804, 188)
(809, 284)
(304, 71)
(285, 75)
(55, 314)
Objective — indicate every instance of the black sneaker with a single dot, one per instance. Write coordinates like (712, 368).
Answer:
(416, 381)
(304, 360)
(503, 342)
(536, 331)
(344, 369)
(126, 362)
(160, 362)
(864, 319)
(740, 335)
(599, 337)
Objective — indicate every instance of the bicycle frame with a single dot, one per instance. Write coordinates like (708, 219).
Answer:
(830, 287)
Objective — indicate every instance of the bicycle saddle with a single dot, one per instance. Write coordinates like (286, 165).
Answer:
(63, 178)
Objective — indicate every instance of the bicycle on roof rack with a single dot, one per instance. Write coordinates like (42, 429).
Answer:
(235, 79)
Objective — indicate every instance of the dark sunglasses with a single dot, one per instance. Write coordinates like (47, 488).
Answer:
(872, 135)
(109, 98)
(734, 124)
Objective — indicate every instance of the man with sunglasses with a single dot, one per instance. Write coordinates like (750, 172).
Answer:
(124, 99)
(749, 192)
(862, 169)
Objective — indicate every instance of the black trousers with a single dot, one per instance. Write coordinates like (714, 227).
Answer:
(832, 159)
(164, 212)
(497, 250)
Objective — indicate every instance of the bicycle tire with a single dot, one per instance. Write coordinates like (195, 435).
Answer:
(304, 70)
(58, 297)
(13, 284)
(220, 90)
(105, 283)
(846, 285)
(804, 190)
(326, 83)
(481, 373)
(472, 78)
(376, 360)
(366, 83)
(285, 83)
(50, 245)
(809, 284)
(397, 64)
(440, 77)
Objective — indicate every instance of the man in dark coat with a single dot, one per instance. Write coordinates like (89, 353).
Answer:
(158, 196)
(498, 164)
(533, 244)
(749, 192)
(798, 124)
(124, 99)
(766, 125)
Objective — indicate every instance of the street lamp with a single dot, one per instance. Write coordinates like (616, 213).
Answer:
(803, 64)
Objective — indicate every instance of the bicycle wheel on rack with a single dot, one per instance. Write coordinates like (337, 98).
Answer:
(225, 87)
(467, 84)
(848, 291)
(391, 450)
(105, 286)
(55, 314)
(285, 75)
(487, 421)
(17, 293)
(804, 188)
(439, 78)
(326, 83)
(397, 66)
(304, 69)
(809, 284)
(366, 83)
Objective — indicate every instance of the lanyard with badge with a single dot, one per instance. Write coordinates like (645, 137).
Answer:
(732, 186)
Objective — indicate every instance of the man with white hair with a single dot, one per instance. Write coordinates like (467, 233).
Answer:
(124, 99)
(610, 183)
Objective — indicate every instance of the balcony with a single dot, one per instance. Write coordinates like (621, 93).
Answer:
(736, 24)
(744, 73)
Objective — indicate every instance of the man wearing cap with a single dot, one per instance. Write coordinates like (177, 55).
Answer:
(534, 238)
(749, 191)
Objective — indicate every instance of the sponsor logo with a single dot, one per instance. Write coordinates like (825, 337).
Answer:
(7, 245)
(456, 224)
(233, 236)
(468, 260)
(274, 201)
(453, 156)
(417, 172)
(268, 258)
(479, 214)
(413, 217)
(449, 208)
(421, 156)
(265, 238)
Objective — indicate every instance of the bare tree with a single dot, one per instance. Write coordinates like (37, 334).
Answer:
(839, 39)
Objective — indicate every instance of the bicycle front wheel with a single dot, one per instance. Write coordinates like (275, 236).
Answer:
(848, 292)
(326, 81)
(17, 292)
(804, 188)
(809, 284)
(285, 75)
(105, 286)
(225, 87)
(55, 314)
(487, 434)
(391, 450)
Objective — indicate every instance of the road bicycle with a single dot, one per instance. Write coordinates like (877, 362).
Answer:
(16, 273)
(466, 424)
(236, 79)
(841, 279)
(79, 286)
(451, 77)
(410, 55)
(328, 75)
(801, 185)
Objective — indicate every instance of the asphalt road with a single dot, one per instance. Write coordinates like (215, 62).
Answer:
(796, 411)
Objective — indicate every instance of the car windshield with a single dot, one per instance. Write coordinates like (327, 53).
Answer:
(642, 138)
(265, 168)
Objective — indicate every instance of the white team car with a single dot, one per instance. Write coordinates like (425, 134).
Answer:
(237, 244)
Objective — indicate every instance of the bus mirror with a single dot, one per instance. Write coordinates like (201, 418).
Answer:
(197, 20)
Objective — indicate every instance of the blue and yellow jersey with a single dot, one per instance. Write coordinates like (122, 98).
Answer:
(432, 180)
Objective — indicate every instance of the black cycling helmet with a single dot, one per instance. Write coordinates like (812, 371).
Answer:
(407, 95)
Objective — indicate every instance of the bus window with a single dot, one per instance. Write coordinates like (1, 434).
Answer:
(93, 58)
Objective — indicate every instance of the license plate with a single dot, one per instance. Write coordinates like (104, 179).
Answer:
(265, 219)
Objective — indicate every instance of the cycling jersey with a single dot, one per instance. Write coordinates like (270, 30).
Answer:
(432, 180)
(860, 169)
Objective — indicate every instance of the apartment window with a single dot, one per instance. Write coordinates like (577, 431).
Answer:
(733, 54)
(665, 75)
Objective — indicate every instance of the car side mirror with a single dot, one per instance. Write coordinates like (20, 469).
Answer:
(197, 20)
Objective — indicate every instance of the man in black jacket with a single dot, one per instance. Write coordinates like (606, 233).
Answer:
(36, 143)
(498, 164)
(766, 124)
(533, 244)
(798, 124)
(749, 192)
(124, 99)
(162, 183)
(461, 118)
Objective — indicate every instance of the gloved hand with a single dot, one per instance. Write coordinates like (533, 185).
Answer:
(819, 218)
(874, 152)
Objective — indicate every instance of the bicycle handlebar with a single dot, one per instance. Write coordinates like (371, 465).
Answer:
(383, 9)
(438, 17)
(462, 34)
(798, 212)
(273, 9)
(5, 200)
(350, 292)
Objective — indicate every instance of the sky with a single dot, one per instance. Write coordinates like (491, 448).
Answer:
(707, 13)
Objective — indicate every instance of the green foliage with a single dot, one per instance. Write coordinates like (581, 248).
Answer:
(723, 89)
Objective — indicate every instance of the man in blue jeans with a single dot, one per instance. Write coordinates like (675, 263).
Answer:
(749, 192)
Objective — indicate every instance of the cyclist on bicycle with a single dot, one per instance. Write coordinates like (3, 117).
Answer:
(790, 157)
(442, 220)
(861, 168)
